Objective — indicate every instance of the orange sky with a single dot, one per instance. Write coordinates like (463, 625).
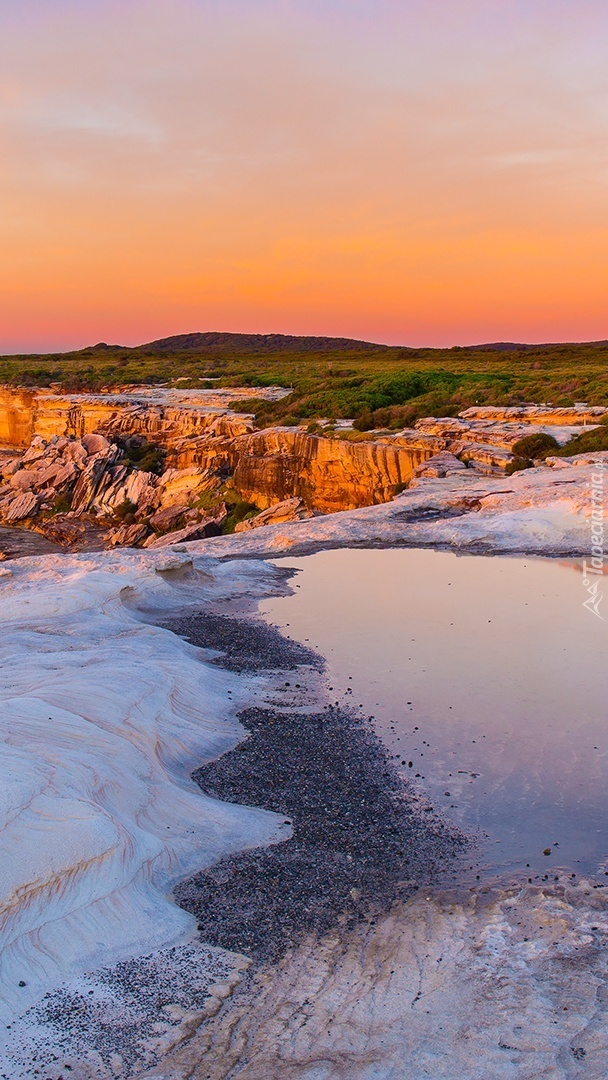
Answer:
(423, 172)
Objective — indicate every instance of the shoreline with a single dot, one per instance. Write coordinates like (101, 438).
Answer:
(231, 773)
(362, 836)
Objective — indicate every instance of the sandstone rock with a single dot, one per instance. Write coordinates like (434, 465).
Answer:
(288, 510)
(93, 443)
(141, 488)
(164, 519)
(205, 527)
(36, 450)
(75, 451)
(21, 507)
(9, 468)
(47, 476)
(65, 475)
(63, 529)
(127, 535)
(180, 485)
(442, 464)
(23, 480)
(327, 474)
(89, 480)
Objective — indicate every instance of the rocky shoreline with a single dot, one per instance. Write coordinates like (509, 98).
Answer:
(362, 838)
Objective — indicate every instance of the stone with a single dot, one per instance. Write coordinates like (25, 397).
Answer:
(90, 479)
(127, 535)
(93, 443)
(288, 510)
(23, 480)
(9, 468)
(204, 528)
(182, 485)
(75, 451)
(164, 519)
(442, 464)
(21, 507)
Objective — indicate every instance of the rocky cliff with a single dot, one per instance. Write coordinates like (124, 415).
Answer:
(206, 444)
(327, 474)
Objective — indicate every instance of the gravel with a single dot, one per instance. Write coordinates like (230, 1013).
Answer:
(362, 838)
(245, 644)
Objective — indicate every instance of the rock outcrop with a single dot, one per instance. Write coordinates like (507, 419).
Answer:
(288, 510)
(65, 487)
(80, 446)
(327, 474)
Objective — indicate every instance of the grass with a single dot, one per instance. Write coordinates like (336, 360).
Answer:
(377, 385)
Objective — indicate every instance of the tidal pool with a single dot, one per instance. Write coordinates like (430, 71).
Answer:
(488, 675)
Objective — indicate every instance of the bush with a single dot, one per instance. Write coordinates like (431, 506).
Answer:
(587, 442)
(535, 446)
(238, 510)
(143, 455)
(126, 512)
(517, 464)
(63, 503)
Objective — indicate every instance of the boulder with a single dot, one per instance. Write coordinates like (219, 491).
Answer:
(127, 535)
(10, 467)
(288, 510)
(21, 507)
(75, 451)
(94, 443)
(90, 479)
(177, 486)
(23, 480)
(164, 519)
(205, 527)
(36, 449)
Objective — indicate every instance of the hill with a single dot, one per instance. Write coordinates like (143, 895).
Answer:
(334, 378)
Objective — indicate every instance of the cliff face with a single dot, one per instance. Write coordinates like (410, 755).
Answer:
(16, 417)
(163, 419)
(327, 474)
(201, 434)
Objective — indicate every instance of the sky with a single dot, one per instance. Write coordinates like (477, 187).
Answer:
(423, 172)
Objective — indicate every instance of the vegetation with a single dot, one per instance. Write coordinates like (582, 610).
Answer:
(143, 455)
(535, 446)
(377, 385)
(238, 509)
(587, 442)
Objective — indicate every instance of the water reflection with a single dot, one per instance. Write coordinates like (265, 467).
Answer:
(487, 675)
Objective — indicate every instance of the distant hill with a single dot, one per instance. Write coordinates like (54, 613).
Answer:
(514, 346)
(333, 378)
(257, 343)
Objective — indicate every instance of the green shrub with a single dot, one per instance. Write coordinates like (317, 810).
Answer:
(238, 510)
(517, 464)
(535, 446)
(587, 442)
(63, 503)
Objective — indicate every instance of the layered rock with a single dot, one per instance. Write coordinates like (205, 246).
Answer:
(78, 439)
(327, 474)
(288, 510)
(65, 487)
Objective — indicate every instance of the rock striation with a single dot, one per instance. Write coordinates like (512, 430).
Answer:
(65, 484)
(74, 451)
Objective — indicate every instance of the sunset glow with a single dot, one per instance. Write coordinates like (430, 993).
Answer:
(425, 172)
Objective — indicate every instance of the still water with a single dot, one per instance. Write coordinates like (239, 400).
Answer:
(488, 675)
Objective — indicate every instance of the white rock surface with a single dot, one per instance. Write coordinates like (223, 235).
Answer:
(510, 986)
(537, 511)
(102, 718)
